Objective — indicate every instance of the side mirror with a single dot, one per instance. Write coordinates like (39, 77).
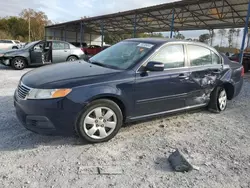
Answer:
(155, 66)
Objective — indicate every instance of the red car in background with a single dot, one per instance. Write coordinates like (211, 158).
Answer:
(92, 50)
(246, 60)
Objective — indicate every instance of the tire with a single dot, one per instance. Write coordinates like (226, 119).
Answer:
(18, 63)
(72, 58)
(94, 127)
(218, 100)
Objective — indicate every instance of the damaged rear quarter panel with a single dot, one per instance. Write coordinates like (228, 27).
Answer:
(203, 80)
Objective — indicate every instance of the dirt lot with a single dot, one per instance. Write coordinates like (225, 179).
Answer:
(219, 144)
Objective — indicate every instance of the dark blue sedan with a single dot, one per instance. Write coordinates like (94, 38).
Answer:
(132, 80)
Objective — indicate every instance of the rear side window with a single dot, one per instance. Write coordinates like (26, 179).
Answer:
(215, 58)
(58, 46)
(8, 42)
(199, 56)
(172, 56)
(66, 46)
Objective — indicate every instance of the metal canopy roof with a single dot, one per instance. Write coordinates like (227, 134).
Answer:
(188, 15)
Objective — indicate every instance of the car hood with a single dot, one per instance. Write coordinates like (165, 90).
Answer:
(17, 51)
(71, 74)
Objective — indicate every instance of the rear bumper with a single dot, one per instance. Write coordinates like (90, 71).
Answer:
(238, 87)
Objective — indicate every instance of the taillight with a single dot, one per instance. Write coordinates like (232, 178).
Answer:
(242, 71)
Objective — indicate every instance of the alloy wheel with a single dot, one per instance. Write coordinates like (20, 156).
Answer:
(100, 123)
(72, 59)
(19, 63)
(222, 100)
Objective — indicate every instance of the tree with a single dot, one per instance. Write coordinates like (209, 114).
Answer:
(237, 36)
(178, 35)
(38, 20)
(18, 27)
(13, 27)
(222, 33)
(112, 39)
(204, 38)
(230, 36)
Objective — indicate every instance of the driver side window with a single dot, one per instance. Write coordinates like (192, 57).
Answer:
(38, 47)
(172, 56)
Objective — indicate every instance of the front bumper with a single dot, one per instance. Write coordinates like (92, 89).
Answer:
(5, 62)
(48, 117)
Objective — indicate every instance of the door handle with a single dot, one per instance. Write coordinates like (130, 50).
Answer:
(216, 72)
(183, 76)
(65, 50)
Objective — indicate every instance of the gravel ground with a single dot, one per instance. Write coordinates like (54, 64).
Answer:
(217, 143)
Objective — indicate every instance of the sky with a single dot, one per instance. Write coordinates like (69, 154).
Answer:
(68, 10)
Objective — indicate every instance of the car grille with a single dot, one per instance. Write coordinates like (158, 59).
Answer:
(22, 91)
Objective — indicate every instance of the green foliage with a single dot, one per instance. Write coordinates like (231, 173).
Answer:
(18, 27)
(230, 36)
(114, 38)
(204, 38)
(178, 35)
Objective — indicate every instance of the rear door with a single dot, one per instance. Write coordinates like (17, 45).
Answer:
(157, 92)
(60, 51)
(205, 71)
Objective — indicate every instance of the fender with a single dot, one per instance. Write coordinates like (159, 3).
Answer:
(101, 91)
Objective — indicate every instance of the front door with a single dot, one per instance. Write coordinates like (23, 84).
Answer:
(36, 53)
(205, 71)
(60, 51)
(160, 92)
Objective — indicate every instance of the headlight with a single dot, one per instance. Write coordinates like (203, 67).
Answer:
(48, 93)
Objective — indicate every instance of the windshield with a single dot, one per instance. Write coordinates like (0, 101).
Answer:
(122, 55)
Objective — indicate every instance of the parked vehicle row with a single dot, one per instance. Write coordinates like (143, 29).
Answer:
(90, 50)
(132, 80)
(41, 53)
(245, 62)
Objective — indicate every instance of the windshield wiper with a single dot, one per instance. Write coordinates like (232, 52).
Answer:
(97, 63)
(103, 65)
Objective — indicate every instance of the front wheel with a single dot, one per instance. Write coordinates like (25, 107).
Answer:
(18, 63)
(100, 121)
(218, 100)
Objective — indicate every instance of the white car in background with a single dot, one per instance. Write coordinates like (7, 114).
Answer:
(9, 44)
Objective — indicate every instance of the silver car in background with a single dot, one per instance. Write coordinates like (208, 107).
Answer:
(9, 44)
(41, 53)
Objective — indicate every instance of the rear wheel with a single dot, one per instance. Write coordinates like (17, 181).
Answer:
(100, 121)
(18, 63)
(72, 58)
(218, 100)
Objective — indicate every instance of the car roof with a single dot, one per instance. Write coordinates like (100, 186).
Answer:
(153, 40)
(55, 41)
(161, 41)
